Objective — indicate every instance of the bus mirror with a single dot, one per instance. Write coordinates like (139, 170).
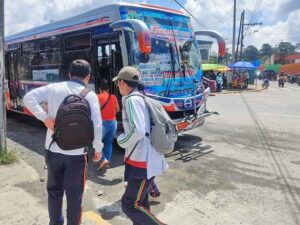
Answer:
(141, 30)
(217, 36)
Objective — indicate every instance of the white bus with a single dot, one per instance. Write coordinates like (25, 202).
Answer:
(159, 41)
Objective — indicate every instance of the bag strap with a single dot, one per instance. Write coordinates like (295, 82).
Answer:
(140, 94)
(105, 104)
(131, 152)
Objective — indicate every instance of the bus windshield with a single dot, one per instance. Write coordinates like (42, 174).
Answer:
(174, 63)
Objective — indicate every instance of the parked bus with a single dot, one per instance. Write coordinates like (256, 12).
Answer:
(159, 41)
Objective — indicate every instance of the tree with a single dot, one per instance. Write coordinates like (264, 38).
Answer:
(213, 58)
(266, 50)
(286, 48)
(297, 46)
(251, 53)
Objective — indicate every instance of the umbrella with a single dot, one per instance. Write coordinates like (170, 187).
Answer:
(242, 65)
(212, 67)
(225, 69)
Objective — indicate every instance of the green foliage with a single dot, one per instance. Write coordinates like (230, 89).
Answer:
(251, 53)
(8, 157)
(213, 59)
(266, 50)
(286, 47)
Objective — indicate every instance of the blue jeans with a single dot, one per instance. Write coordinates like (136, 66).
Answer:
(108, 133)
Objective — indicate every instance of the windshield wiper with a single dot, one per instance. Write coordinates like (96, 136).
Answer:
(172, 61)
(175, 41)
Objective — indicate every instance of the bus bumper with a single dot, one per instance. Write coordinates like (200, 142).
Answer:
(196, 119)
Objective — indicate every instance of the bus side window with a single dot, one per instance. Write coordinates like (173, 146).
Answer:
(78, 42)
(27, 59)
(77, 46)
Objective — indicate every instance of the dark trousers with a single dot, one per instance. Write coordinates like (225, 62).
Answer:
(65, 174)
(135, 202)
(219, 87)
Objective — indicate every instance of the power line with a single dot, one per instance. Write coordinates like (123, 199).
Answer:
(254, 10)
(259, 11)
(190, 14)
(208, 11)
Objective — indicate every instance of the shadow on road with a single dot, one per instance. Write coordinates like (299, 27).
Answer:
(189, 147)
(30, 133)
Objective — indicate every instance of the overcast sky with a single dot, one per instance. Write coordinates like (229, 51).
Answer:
(281, 18)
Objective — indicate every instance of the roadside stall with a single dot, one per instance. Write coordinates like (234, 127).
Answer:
(241, 72)
(209, 71)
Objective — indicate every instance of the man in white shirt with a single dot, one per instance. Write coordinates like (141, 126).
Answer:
(142, 161)
(66, 169)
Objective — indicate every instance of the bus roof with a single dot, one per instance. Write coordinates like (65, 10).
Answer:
(101, 15)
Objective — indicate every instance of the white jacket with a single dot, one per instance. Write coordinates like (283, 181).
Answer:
(54, 94)
(136, 122)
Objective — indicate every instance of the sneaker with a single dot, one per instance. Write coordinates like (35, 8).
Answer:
(154, 192)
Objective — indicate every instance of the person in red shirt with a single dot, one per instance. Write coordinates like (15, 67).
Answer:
(109, 108)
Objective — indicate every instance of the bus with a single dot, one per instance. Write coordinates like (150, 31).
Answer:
(159, 41)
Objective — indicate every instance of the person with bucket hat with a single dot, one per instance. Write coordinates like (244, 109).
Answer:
(142, 161)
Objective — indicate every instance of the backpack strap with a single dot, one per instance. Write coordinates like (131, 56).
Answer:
(84, 92)
(140, 94)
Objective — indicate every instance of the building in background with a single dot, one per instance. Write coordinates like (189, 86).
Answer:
(284, 58)
(205, 47)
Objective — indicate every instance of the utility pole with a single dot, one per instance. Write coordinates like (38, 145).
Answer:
(239, 36)
(2, 72)
(234, 27)
(242, 35)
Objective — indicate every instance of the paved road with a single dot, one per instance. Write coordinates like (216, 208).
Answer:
(241, 167)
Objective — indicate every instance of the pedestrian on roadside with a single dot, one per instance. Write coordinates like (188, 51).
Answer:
(154, 191)
(224, 81)
(109, 109)
(219, 81)
(66, 168)
(142, 161)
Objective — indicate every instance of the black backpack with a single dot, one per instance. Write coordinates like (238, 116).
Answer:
(73, 125)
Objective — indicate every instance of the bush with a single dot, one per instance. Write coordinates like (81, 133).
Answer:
(8, 157)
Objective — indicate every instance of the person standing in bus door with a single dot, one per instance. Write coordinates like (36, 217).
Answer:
(109, 109)
(66, 169)
(142, 161)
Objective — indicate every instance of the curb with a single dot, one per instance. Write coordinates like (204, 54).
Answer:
(235, 92)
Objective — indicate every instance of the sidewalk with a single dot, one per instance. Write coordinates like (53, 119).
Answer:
(24, 198)
(251, 88)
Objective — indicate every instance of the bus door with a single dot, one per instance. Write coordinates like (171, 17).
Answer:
(108, 60)
(13, 79)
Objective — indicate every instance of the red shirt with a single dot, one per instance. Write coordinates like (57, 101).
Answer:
(110, 110)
